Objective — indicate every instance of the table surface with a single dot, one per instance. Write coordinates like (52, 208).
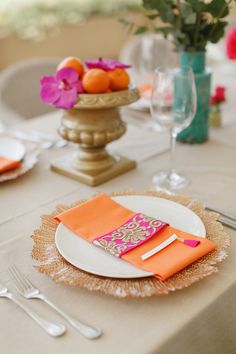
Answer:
(190, 320)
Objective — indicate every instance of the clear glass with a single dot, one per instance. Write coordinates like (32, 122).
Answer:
(173, 106)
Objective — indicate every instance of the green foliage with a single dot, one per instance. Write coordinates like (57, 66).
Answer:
(191, 23)
(218, 8)
(141, 30)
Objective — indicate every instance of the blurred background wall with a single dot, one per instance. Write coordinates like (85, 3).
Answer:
(84, 28)
(98, 35)
(59, 28)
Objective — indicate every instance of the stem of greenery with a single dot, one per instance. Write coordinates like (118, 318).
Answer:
(180, 16)
(198, 21)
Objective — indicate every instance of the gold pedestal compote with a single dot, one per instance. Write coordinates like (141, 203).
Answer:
(93, 123)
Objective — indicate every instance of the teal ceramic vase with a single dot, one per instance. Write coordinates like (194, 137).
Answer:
(197, 132)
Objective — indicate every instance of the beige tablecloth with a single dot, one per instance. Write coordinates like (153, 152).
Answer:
(198, 320)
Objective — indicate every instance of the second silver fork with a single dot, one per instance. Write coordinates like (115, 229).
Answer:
(29, 291)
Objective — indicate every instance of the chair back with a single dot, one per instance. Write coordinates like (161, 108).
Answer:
(20, 87)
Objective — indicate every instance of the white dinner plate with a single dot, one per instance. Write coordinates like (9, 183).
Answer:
(11, 149)
(89, 258)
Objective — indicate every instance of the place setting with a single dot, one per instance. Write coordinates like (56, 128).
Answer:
(130, 244)
(16, 158)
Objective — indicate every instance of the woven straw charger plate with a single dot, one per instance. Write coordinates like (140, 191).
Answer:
(50, 262)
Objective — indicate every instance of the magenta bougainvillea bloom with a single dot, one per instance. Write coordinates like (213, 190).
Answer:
(231, 44)
(105, 64)
(219, 95)
(62, 89)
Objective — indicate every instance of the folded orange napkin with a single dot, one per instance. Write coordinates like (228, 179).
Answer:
(103, 216)
(6, 164)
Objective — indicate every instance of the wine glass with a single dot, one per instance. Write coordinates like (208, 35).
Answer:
(173, 106)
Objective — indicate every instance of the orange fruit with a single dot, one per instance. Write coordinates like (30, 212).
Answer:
(96, 81)
(119, 79)
(74, 63)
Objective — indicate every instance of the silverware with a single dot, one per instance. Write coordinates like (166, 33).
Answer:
(224, 220)
(31, 138)
(51, 328)
(37, 137)
(59, 143)
(29, 291)
(227, 222)
(221, 212)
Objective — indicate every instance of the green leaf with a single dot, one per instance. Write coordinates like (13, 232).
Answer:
(141, 29)
(218, 8)
(123, 21)
(191, 19)
(153, 17)
(164, 8)
(218, 31)
(185, 9)
(165, 30)
(187, 13)
(197, 5)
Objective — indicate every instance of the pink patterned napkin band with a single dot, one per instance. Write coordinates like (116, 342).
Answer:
(133, 233)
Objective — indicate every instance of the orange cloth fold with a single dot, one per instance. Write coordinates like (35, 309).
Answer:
(6, 164)
(101, 215)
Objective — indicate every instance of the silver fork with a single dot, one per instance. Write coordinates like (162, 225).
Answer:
(29, 291)
(53, 329)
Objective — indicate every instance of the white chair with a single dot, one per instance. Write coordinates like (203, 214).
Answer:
(19, 89)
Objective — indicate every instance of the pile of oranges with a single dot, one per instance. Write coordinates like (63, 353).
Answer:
(97, 80)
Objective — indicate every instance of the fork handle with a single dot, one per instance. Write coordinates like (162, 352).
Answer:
(87, 331)
(51, 328)
(221, 212)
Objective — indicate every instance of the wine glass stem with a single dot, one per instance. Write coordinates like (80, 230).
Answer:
(172, 151)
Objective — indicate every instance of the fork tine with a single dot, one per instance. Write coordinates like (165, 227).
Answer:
(19, 282)
(23, 278)
(15, 280)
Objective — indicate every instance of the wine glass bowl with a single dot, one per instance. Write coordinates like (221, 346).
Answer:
(173, 106)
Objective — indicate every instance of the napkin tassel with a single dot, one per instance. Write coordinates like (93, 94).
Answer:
(190, 243)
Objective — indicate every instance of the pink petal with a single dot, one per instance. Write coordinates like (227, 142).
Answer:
(67, 99)
(231, 43)
(191, 243)
(49, 93)
(105, 64)
(68, 74)
(78, 85)
(48, 80)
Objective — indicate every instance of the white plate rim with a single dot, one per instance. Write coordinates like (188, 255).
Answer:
(16, 147)
(136, 273)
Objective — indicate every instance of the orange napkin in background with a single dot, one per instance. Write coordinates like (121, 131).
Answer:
(6, 164)
(101, 215)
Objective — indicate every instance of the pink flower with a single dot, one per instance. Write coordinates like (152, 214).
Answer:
(105, 64)
(62, 89)
(218, 96)
(231, 43)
